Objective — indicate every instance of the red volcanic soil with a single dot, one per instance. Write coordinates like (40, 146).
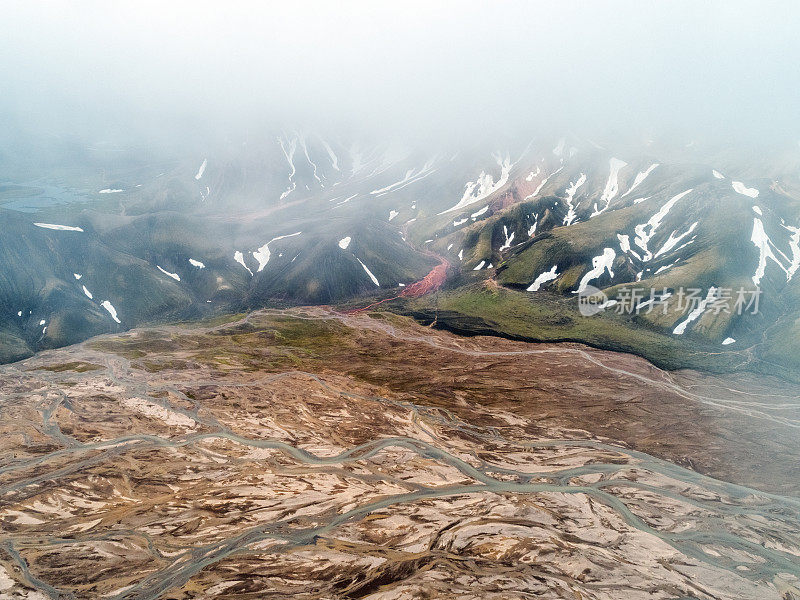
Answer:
(430, 283)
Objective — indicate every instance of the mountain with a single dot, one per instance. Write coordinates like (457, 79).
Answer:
(101, 238)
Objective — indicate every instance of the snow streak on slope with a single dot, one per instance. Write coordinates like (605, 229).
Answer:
(263, 254)
(640, 178)
(674, 240)
(484, 186)
(765, 247)
(646, 231)
(175, 276)
(477, 214)
(509, 238)
(332, 155)
(87, 292)
(196, 263)
(601, 263)
(717, 174)
(202, 169)
(111, 310)
(543, 278)
(288, 151)
(411, 176)
(612, 186)
(110, 191)
(532, 228)
(625, 245)
(794, 244)
(531, 175)
(311, 162)
(239, 258)
(345, 201)
(569, 218)
(697, 312)
(542, 183)
(368, 272)
(57, 227)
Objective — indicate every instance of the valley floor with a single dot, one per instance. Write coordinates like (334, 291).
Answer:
(313, 454)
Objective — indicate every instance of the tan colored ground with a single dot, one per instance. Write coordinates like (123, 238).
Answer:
(308, 454)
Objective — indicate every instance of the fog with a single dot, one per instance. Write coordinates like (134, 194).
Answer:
(412, 68)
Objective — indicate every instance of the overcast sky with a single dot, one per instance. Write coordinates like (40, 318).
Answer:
(405, 66)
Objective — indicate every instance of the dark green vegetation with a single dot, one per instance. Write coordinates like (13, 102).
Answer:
(77, 366)
(490, 310)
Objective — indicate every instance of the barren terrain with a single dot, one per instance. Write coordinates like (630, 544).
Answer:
(312, 454)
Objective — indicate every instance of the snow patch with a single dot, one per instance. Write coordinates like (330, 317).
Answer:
(344, 242)
(624, 243)
(509, 238)
(201, 170)
(331, 155)
(308, 158)
(484, 185)
(728, 341)
(111, 310)
(542, 183)
(196, 263)
(175, 276)
(411, 176)
(601, 263)
(640, 177)
(543, 278)
(741, 188)
(569, 218)
(646, 231)
(288, 151)
(239, 258)
(612, 185)
(58, 227)
(482, 211)
(697, 312)
(368, 272)
(674, 240)
(761, 240)
(531, 175)
(263, 254)
(532, 228)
